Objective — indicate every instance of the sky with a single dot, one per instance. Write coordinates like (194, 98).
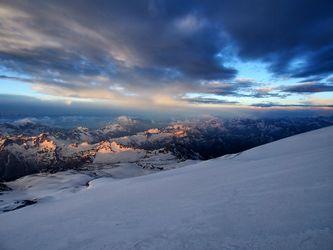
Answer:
(154, 54)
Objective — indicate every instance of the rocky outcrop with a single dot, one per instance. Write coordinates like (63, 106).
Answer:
(4, 187)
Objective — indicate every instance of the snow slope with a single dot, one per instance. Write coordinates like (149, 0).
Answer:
(276, 196)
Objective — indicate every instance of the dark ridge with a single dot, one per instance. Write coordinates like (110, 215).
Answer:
(20, 204)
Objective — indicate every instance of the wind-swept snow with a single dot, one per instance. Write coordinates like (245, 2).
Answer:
(276, 196)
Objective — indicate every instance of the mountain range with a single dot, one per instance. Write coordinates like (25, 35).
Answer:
(28, 147)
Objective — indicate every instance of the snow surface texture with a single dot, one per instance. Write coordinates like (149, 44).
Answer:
(276, 196)
(35, 188)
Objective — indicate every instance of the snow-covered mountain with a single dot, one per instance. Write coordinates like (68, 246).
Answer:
(275, 196)
(24, 155)
(27, 147)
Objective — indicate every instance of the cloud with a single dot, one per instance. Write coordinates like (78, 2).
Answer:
(311, 87)
(190, 23)
(203, 100)
(301, 105)
(125, 43)
(15, 78)
(227, 88)
(266, 93)
(127, 50)
(281, 33)
(20, 105)
(330, 80)
(241, 87)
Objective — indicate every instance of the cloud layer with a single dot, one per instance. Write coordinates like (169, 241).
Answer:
(311, 87)
(136, 52)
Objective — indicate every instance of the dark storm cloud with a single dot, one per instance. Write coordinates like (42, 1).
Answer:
(280, 32)
(318, 63)
(132, 43)
(144, 45)
(313, 87)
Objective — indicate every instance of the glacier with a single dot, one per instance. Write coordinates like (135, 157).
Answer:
(275, 196)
